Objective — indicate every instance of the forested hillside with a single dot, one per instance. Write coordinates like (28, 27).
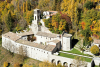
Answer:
(15, 15)
(81, 18)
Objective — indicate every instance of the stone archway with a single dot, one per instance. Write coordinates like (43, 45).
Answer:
(58, 62)
(53, 61)
(65, 64)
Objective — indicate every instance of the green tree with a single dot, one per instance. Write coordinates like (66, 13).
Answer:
(47, 22)
(9, 21)
(94, 49)
(89, 5)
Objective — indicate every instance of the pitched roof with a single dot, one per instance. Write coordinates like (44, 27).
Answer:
(25, 33)
(12, 36)
(66, 35)
(52, 13)
(55, 41)
(50, 35)
(49, 47)
(44, 47)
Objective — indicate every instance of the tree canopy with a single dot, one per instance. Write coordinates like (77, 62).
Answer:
(94, 49)
(89, 5)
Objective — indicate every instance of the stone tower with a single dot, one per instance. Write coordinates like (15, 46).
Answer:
(66, 41)
(37, 14)
(34, 26)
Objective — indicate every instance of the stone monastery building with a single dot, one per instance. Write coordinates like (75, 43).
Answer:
(45, 45)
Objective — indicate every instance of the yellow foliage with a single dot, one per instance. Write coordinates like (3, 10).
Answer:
(45, 64)
(90, 39)
(69, 7)
(25, 65)
(96, 26)
(29, 16)
(23, 7)
(94, 49)
(5, 64)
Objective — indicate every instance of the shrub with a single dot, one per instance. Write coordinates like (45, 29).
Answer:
(5, 64)
(25, 65)
(16, 65)
(40, 23)
(94, 49)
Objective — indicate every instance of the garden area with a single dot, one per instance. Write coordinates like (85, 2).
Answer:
(73, 57)
(75, 51)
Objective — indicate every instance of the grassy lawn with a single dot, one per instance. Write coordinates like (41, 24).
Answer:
(73, 57)
(75, 51)
(96, 66)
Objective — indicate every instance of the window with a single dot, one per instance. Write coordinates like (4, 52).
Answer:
(38, 17)
(41, 43)
(35, 17)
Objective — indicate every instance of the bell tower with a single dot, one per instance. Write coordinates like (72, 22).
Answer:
(37, 14)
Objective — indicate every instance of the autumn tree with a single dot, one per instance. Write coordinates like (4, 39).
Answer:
(5, 64)
(45, 64)
(18, 7)
(62, 25)
(44, 4)
(88, 25)
(26, 65)
(11, 13)
(69, 7)
(26, 6)
(58, 23)
(29, 17)
(94, 49)
(48, 64)
(23, 7)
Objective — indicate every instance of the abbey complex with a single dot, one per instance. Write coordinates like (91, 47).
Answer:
(44, 46)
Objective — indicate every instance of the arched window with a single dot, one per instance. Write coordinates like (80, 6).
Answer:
(35, 17)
